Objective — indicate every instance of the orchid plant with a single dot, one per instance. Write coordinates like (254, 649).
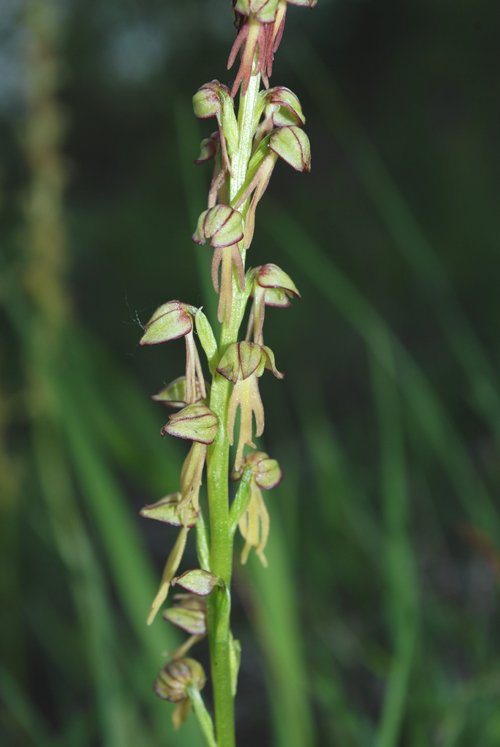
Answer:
(245, 147)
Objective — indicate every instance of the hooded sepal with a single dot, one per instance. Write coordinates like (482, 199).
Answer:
(174, 394)
(188, 613)
(194, 422)
(198, 582)
(166, 510)
(169, 322)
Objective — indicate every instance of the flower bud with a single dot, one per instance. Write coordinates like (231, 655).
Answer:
(207, 101)
(241, 360)
(166, 510)
(208, 148)
(189, 613)
(176, 677)
(221, 224)
(174, 395)
(195, 422)
(292, 145)
(284, 106)
(169, 322)
(263, 10)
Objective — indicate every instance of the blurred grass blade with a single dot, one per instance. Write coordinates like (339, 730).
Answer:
(86, 583)
(29, 722)
(400, 574)
(402, 227)
(422, 401)
(275, 607)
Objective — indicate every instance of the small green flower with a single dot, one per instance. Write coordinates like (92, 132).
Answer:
(254, 524)
(222, 225)
(243, 363)
(169, 322)
(270, 287)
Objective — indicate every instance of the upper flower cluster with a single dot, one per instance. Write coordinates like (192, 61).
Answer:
(260, 25)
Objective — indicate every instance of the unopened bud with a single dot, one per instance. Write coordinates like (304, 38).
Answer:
(208, 148)
(241, 360)
(207, 101)
(284, 106)
(176, 677)
(222, 225)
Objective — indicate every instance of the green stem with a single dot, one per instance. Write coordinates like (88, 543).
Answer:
(221, 536)
(203, 716)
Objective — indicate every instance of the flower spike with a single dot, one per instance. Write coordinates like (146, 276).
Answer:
(260, 25)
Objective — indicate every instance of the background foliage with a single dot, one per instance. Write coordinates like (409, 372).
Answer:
(377, 620)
